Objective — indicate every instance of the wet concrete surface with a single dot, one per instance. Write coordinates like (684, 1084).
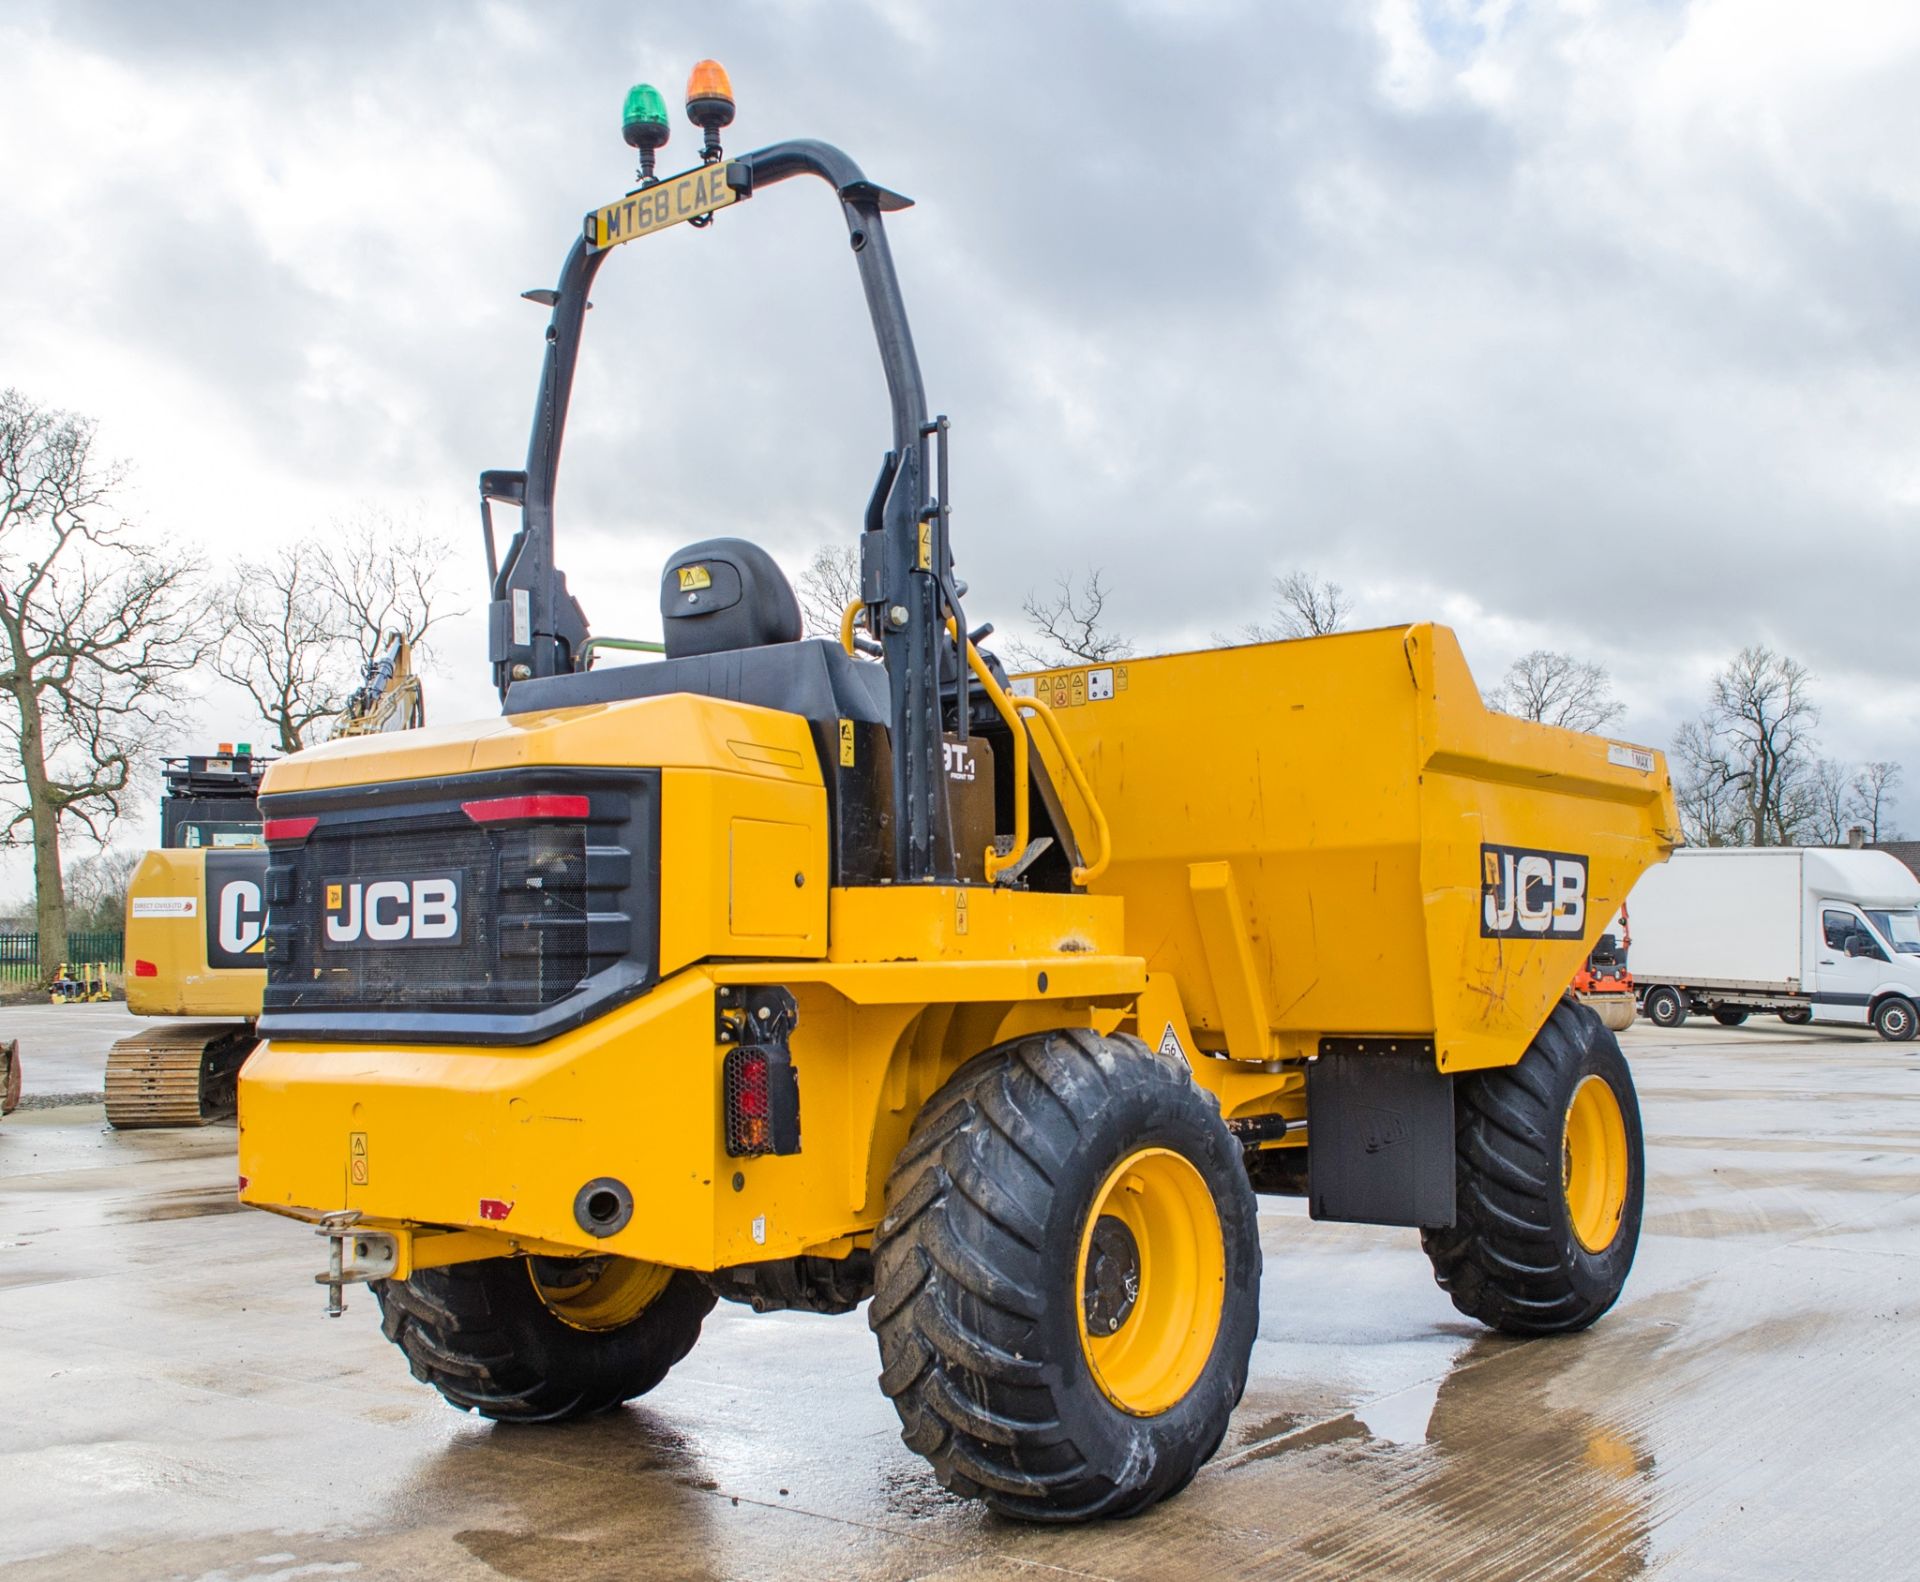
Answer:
(63, 1048)
(177, 1407)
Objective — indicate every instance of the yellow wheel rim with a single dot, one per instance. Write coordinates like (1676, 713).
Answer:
(1152, 1278)
(597, 1293)
(1594, 1164)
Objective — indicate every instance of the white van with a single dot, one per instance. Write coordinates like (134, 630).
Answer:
(1809, 933)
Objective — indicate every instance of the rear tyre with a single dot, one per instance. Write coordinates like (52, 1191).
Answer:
(542, 1340)
(1067, 1279)
(1665, 1007)
(1894, 1019)
(1729, 1015)
(1797, 1016)
(1549, 1180)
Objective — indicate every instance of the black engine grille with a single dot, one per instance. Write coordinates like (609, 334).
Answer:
(553, 915)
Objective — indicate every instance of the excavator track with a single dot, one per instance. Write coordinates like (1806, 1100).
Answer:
(182, 1074)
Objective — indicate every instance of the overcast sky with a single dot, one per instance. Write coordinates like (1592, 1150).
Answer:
(1592, 326)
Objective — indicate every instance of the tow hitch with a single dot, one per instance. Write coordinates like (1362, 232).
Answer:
(353, 1256)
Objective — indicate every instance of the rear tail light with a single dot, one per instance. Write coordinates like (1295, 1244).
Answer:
(145, 969)
(762, 1103)
(494, 810)
(288, 828)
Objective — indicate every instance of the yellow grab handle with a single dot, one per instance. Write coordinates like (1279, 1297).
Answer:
(1093, 870)
(846, 625)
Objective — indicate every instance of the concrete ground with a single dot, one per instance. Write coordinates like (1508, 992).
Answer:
(175, 1405)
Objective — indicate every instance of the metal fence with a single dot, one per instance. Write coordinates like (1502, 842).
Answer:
(20, 953)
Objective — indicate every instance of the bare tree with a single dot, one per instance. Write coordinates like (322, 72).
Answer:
(1872, 803)
(1303, 606)
(829, 584)
(384, 576)
(283, 646)
(1071, 624)
(1706, 786)
(301, 625)
(1747, 764)
(97, 888)
(1557, 689)
(1830, 789)
(99, 631)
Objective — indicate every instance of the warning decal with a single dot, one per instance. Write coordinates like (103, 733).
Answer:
(1170, 1045)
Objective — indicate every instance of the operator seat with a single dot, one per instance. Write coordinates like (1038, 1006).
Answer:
(723, 594)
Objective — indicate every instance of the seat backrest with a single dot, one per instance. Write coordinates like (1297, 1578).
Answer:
(723, 594)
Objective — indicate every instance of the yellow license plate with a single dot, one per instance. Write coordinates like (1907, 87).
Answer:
(653, 209)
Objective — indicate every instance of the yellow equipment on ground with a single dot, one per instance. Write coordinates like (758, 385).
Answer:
(196, 916)
(775, 973)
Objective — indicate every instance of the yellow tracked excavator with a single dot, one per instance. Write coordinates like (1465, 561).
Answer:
(196, 917)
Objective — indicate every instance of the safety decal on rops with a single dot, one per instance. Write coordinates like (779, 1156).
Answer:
(1530, 894)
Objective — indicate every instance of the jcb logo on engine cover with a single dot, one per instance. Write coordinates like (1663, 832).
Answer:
(421, 909)
(1528, 894)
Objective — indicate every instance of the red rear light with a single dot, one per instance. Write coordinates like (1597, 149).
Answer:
(288, 828)
(495, 810)
(145, 969)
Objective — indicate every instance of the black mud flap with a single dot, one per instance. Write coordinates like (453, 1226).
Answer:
(1380, 1134)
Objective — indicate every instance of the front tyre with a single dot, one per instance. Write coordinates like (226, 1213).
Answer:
(1067, 1279)
(1665, 1007)
(1893, 1019)
(542, 1340)
(1549, 1182)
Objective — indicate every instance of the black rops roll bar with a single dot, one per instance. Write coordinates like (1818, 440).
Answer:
(536, 627)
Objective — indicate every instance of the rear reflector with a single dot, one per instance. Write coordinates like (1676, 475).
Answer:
(288, 828)
(496, 810)
(495, 1208)
(145, 969)
(762, 1095)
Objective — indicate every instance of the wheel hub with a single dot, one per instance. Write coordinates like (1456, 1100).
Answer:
(1152, 1280)
(1112, 1284)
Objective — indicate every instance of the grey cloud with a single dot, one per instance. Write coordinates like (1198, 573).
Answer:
(1204, 299)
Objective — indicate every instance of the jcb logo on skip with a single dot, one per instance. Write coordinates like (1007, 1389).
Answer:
(1527, 894)
(422, 911)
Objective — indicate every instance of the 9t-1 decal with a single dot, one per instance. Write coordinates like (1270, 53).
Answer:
(419, 909)
(236, 909)
(1529, 894)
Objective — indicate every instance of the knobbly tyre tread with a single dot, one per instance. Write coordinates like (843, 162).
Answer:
(976, 1298)
(1510, 1259)
(479, 1334)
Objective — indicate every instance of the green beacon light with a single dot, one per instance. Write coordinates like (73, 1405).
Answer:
(644, 124)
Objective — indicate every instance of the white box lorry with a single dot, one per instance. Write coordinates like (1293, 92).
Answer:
(1808, 933)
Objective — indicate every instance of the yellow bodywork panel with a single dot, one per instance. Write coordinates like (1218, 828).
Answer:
(1351, 787)
(1321, 839)
(678, 731)
(499, 1140)
(167, 923)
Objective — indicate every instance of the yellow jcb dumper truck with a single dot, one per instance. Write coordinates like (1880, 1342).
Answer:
(799, 973)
